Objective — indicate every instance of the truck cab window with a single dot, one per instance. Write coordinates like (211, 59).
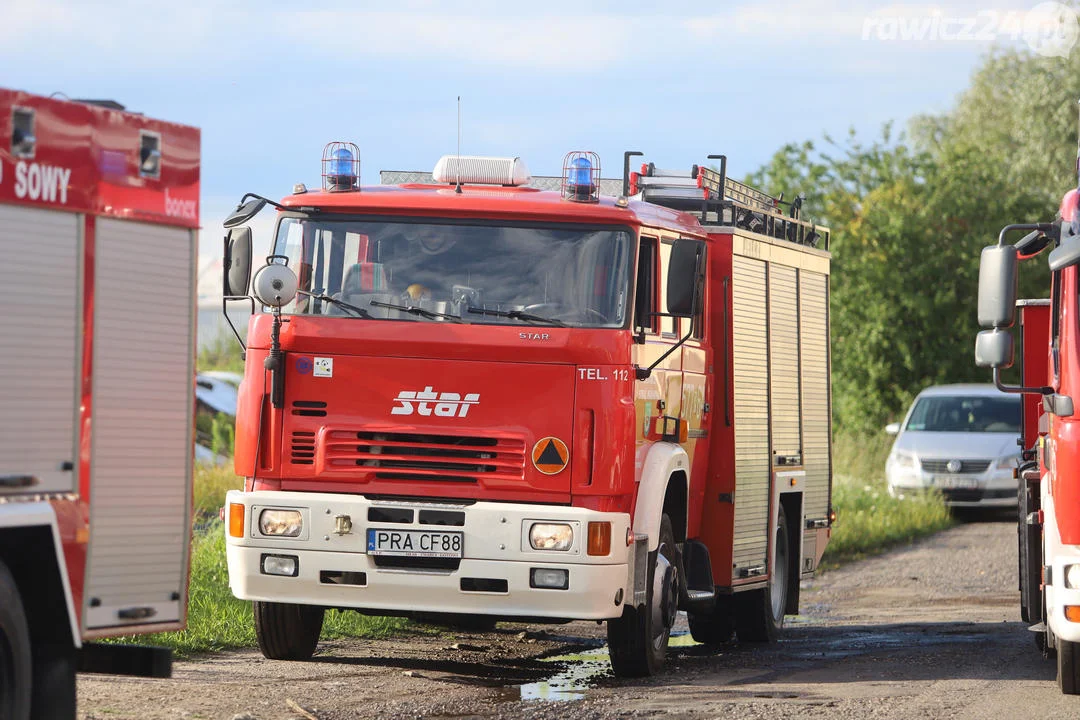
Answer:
(646, 301)
(481, 273)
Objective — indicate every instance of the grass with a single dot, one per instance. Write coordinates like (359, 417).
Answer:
(221, 354)
(216, 619)
(868, 520)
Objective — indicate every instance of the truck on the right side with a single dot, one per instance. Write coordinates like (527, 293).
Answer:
(1047, 331)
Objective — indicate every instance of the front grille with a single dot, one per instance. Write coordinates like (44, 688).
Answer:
(309, 408)
(970, 467)
(303, 448)
(417, 456)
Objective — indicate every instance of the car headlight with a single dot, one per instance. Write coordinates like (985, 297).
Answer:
(551, 536)
(281, 523)
(1072, 577)
(903, 459)
(1008, 462)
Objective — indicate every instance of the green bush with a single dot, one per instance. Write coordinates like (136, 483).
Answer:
(868, 520)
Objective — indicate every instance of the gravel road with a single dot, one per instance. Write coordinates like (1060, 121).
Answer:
(928, 631)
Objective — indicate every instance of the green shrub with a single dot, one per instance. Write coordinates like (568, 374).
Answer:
(868, 519)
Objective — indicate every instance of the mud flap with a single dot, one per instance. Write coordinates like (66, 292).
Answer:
(639, 570)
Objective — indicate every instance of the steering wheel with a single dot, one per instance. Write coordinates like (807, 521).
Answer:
(553, 309)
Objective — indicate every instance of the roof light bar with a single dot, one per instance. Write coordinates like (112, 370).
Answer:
(452, 169)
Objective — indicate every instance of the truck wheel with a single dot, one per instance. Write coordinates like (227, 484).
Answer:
(638, 640)
(54, 682)
(286, 631)
(759, 614)
(1068, 667)
(715, 627)
(15, 668)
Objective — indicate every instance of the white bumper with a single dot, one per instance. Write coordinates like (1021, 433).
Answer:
(1058, 596)
(495, 549)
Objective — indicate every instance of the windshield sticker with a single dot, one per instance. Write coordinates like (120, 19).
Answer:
(427, 402)
(324, 367)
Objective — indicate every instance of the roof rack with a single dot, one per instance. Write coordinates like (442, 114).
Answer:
(716, 199)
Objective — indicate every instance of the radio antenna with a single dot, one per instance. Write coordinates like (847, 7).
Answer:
(458, 144)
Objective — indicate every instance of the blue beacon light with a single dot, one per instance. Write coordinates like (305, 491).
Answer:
(341, 163)
(579, 178)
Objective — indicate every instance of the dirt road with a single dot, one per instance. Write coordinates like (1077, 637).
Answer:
(930, 631)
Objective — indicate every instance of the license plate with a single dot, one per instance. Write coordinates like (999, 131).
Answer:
(415, 543)
(955, 482)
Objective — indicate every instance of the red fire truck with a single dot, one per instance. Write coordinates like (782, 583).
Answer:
(98, 217)
(468, 396)
(1049, 497)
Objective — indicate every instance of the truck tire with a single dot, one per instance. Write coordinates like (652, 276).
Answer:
(287, 632)
(1068, 667)
(54, 695)
(715, 627)
(15, 664)
(638, 640)
(759, 614)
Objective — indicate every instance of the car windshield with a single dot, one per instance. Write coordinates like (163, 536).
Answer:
(965, 413)
(440, 272)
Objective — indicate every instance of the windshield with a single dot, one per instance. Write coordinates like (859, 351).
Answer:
(971, 414)
(440, 272)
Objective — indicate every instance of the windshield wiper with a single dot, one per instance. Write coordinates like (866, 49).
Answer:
(360, 312)
(517, 315)
(414, 310)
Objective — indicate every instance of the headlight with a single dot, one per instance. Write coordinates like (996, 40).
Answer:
(903, 459)
(1072, 577)
(282, 523)
(1008, 462)
(551, 536)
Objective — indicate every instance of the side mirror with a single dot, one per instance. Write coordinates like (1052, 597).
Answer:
(997, 286)
(274, 285)
(236, 264)
(1066, 255)
(685, 277)
(994, 349)
(892, 429)
(244, 212)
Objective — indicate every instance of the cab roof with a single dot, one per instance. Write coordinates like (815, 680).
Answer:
(486, 201)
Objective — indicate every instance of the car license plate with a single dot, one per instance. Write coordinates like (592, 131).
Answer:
(956, 482)
(415, 543)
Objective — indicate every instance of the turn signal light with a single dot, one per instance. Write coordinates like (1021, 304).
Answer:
(599, 538)
(1072, 613)
(236, 520)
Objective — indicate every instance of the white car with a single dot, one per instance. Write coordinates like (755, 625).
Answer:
(962, 440)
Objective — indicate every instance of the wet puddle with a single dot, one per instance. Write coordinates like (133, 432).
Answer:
(580, 671)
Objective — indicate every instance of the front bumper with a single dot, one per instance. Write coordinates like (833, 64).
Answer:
(492, 578)
(1058, 596)
(994, 488)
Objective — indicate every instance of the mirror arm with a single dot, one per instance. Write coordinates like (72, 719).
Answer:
(253, 196)
(1016, 389)
(641, 373)
(225, 312)
(1039, 227)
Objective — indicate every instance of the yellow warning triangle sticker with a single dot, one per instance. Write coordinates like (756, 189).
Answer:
(550, 455)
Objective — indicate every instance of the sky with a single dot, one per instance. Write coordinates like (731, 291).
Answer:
(271, 82)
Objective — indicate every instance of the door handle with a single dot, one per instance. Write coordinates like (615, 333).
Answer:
(18, 481)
